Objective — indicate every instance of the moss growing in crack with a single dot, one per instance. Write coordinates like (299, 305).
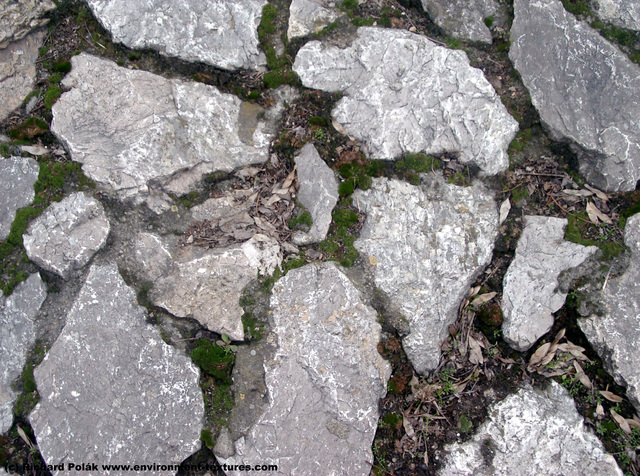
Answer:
(459, 178)
(303, 219)
(339, 244)
(580, 230)
(214, 360)
(32, 127)
(29, 396)
(267, 22)
(417, 163)
(51, 95)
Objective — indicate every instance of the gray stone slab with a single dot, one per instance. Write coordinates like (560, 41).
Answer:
(67, 235)
(324, 382)
(530, 433)
(403, 93)
(17, 177)
(19, 17)
(307, 17)
(462, 19)
(111, 391)
(427, 244)
(585, 89)
(530, 287)
(623, 13)
(216, 32)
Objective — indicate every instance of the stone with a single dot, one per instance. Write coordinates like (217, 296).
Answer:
(462, 19)
(111, 391)
(307, 17)
(324, 381)
(318, 193)
(18, 72)
(67, 235)
(585, 89)
(204, 284)
(403, 93)
(530, 288)
(530, 433)
(615, 334)
(19, 17)
(224, 209)
(134, 131)
(17, 336)
(219, 33)
(427, 245)
(17, 177)
(625, 14)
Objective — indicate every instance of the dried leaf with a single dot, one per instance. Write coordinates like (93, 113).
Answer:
(595, 215)
(473, 291)
(408, 428)
(633, 424)
(338, 127)
(36, 150)
(460, 387)
(600, 194)
(548, 358)
(612, 397)
(584, 379)
(578, 193)
(475, 354)
(483, 298)
(559, 335)
(599, 410)
(621, 421)
(539, 354)
(25, 438)
(504, 210)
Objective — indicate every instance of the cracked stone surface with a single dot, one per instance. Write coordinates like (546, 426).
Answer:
(625, 14)
(427, 244)
(217, 32)
(310, 16)
(17, 337)
(530, 287)
(67, 235)
(585, 89)
(17, 177)
(19, 17)
(206, 284)
(324, 382)
(133, 130)
(111, 391)
(18, 71)
(403, 93)
(616, 334)
(462, 19)
(318, 193)
(530, 433)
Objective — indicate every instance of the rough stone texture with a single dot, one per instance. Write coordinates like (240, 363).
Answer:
(206, 284)
(585, 89)
(19, 17)
(217, 32)
(530, 287)
(224, 209)
(403, 93)
(18, 71)
(133, 130)
(318, 193)
(310, 16)
(624, 13)
(462, 19)
(67, 235)
(111, 391)
(616, 334)
(17, 176)
(324, 382)
(429, 243)
(16, 339)
(530, 433)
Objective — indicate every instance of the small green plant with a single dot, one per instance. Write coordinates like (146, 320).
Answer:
(225, 343)
(465, 424)
(459, 178)
(320, 135)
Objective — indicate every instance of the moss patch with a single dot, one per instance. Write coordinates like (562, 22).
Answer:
(214, 360)
(580, 230)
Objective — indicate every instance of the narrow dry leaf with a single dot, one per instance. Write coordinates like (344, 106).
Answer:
(547, 358)
(612, 397)
(599, 193)
(599, 410)
(539, 354)
(460, 387)
(595, 215)
(559, 335)
(289, 180)
(636, 418)
(584, 379)
(426, 453)
(483, 298)
(475, 354)
(633, 424)
(473, 291)
(25, 438)
(578, 193)
(621, 421)
(36, 150)
(408, 428)
(504, 210)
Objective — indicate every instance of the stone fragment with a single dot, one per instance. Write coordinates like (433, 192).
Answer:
(625, 14)
(428, 243)
(17, 177)
(67, 235)
(530, 288)
(224, 208)
(307, 17)
(616, 334)
(204, 284)
(462, 19)
(219, 33)
(585, 89)
(19, 17)
(111, 391)
(17, 336)
(133, 130)
(324, 382)
(18, 71)
(530, 433)
(318, 193)
(403, 93)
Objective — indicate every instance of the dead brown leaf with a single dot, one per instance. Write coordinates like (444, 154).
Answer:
(621, 421)
(612, 397)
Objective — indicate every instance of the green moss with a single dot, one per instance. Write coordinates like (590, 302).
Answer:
(454, 43)
(577, 7)
(275, 79)
(5, 150)
(303, 219)
(329, 247)
(318, 121)
(133, 56)
(29, 129)
(418, 163)
(392, 419)
(364, 182)
(51, 95)
(61, 66)
(350, 4)
(519, 194)
(465, 424)
(267, 22)
(347, 187)
(207, 438)
(214, 360)
(293, 263)
(363, 21)
(489, 21)
(459, 178)
(344, 218)
(253, 328)
(578, 228)
(55, 78)
(627, 213)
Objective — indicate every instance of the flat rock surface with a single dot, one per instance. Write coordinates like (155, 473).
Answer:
(530, 287)
(427, 244)
(111, 391)
(67, 235)
(131, 128)
(318, 193)
(17, 177)
(307, 17)
(17, 336)
(585, 89)
(19, 17)
(18, 71)
(403, 93)
(462, 19)
(219, 33)
(625, 14)
(530, 433)
(324, 381)
(616, 334)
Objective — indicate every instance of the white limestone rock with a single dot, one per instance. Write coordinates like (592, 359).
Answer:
(462, 19)
(307, 17)
(17, 177)
(19, 17)
(623, 13)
